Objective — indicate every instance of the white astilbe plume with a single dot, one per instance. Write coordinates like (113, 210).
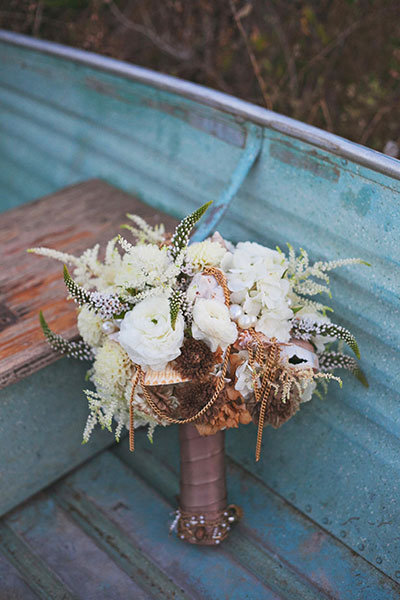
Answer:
(143, 232)
(301, 273)
(63, 257)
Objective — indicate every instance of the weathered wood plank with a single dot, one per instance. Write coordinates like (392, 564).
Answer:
(70, 220)
(69, 553)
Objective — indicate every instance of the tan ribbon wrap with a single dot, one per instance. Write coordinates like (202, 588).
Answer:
(204, 516)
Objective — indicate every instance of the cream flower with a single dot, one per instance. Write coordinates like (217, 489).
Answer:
(205, 254)
(89, 326)
(147, 335)
(145, 264)
(111, 368)
(212, 323)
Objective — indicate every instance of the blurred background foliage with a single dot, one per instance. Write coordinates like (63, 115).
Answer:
(331, 63)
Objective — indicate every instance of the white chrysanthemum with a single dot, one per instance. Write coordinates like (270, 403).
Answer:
(212, 323)
(205, 254)
(112, 368)
(89, 327)
(147, 335)
(146, 264)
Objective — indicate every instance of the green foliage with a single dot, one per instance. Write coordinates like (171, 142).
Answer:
(77, 349)
(329, 361)
(78, 293)
(182, 233)
(175, 301)
(306, 329)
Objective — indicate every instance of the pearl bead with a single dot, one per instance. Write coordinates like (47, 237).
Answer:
(245, 321)
(108, 327)
(236, 311)
(253, 319)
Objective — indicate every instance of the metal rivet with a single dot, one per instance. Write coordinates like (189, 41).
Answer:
(343, 533)
(308, 507)
(378, 560)
(361, 546)
(397, 574)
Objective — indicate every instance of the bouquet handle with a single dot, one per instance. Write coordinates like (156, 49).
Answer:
(204, 516)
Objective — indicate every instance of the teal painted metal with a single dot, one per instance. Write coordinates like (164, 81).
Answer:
(215, 213)
(275, 541)
(68, 115)
(41, 422)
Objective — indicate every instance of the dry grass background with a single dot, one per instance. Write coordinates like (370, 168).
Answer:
(332, 63)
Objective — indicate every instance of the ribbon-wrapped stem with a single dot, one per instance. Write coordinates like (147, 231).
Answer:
(204, 515)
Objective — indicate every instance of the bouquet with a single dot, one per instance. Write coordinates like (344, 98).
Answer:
(209, 335)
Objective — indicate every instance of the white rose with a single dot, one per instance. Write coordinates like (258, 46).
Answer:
(147, 336)
(212, 323)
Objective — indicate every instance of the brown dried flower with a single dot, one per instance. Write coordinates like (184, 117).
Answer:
(196, 360)
(278, 411)
(227, 411)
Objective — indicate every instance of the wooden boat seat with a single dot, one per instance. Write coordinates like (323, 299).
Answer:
(101, 530)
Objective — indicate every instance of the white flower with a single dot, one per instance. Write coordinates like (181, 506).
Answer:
(89, 326)
(275, 323)
(205, 254)
(308, 391)
(251, 262)
(212, 323)
(147, 335)
(111, 369)
(244, 379)
(255, 276)
(145, 264)
(205, 286)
